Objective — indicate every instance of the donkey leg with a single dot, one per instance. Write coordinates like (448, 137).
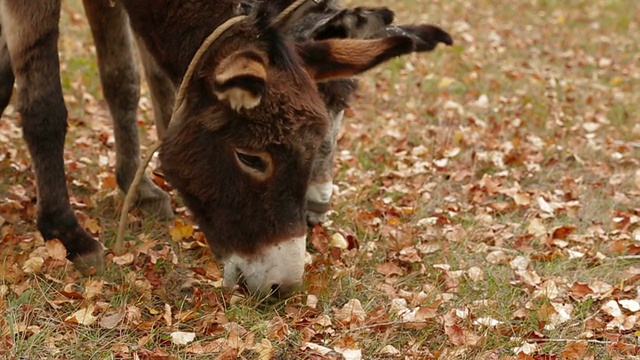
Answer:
(31, 34)
(320, 188)
(121, 88)
(161, 88)
(6, 74)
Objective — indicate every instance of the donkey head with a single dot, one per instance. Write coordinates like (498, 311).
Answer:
(241, 147)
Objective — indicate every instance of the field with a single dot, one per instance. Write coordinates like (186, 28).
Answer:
(487, 206)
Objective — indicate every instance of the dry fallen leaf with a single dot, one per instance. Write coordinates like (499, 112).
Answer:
(123, 260)
(167, 315)
(180, 230)
(475, 273)
(389, 350)
(351, 313)
(182, 338)
(536, 227)
(315, 348)
(93, 288)
(581, 290)
(612, 308)
(351, 354)
(338, 241)
(526, 348)
(631, 305)
(389, 268)
(519, 263)
(33, 265)
(575, 351)
(83, 316)
(487, 321)
(111, 321)
(55, 249)
(264, 349)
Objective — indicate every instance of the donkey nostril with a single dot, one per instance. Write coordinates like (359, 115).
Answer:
(275, 288)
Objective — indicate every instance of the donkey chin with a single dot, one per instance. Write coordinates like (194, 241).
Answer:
(276, 270)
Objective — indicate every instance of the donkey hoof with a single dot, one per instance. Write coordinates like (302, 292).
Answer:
(157, 204)
(159, 208)
(314, 218)
(90, 263)
(82, 249)
(317, 212)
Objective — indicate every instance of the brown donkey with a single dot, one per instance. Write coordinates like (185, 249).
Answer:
(242, 146)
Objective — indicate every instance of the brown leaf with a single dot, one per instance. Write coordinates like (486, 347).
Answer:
(389, 268)
(73, 291)
(123, 260)
(83, 316)
(633, 249)
(574, 351)
(200, 348)
(55, 249)
(92, 225)
(33, 265)
(351, 313)
(580, 290)
(460, 336)
(228, 353)
(562, 232)
(410, 254)
(277, 329)
(93, 288)
(264, 349)
(166, 315)
(111, 321)
(319, 239)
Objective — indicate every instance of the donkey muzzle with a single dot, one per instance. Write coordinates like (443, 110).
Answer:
(275, 270)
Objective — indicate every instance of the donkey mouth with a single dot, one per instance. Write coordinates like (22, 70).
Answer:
(277, 270)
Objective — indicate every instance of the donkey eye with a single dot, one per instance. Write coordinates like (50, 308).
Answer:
(252, 161)
(257, 164)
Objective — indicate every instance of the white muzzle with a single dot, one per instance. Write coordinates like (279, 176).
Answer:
(278, 268)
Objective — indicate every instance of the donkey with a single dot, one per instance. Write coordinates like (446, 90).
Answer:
(241, 148)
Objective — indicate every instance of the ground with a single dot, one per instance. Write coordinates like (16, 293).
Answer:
(487, 207)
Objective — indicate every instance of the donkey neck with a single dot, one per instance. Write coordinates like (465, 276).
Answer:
(173, 30)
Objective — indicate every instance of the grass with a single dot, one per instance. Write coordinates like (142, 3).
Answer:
(559, 123)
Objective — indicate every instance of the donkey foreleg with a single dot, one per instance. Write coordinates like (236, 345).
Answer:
(121, 88)
(31, 34)
(320, 190)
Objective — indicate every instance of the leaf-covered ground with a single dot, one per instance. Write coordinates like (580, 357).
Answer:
(487, 207)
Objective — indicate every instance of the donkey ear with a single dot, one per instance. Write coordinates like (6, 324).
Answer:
(240, 79)
(425, 36)
(343, 58)
(356, 23)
